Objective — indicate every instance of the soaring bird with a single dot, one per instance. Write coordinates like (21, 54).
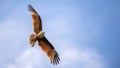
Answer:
(39, 37)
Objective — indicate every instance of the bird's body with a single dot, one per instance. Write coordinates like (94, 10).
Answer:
(45, 45)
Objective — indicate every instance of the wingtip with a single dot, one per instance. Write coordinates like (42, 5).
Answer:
(30, 7)
(32, 10)
(56, 60)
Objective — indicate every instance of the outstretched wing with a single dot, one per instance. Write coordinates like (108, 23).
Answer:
(48, 48)
(36, 19)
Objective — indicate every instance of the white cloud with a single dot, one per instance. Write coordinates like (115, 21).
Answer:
(70, 57)
(11, 66)
(30, 58)
(83, 58)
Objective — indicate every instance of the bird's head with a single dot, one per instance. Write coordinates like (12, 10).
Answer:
(41, 34)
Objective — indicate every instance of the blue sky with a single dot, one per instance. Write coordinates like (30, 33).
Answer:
(84, 32)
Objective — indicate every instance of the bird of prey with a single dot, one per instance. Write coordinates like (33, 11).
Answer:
(39, 37)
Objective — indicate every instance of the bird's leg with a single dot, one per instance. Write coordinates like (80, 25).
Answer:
(32, 39)
(40, 34)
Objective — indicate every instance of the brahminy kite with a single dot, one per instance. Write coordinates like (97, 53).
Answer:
(39, 36)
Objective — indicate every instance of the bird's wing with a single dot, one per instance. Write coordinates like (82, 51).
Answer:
(36, 19)
(48, 48)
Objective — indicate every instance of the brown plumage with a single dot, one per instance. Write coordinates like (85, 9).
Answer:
(46, 46)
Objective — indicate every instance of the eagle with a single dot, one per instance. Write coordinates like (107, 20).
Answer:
(39, 36)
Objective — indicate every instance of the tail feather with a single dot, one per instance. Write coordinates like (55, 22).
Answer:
(32, 39)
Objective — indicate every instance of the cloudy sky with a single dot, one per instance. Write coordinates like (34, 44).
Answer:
(86, 33)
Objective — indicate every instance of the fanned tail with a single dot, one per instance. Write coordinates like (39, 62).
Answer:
(32, 39)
